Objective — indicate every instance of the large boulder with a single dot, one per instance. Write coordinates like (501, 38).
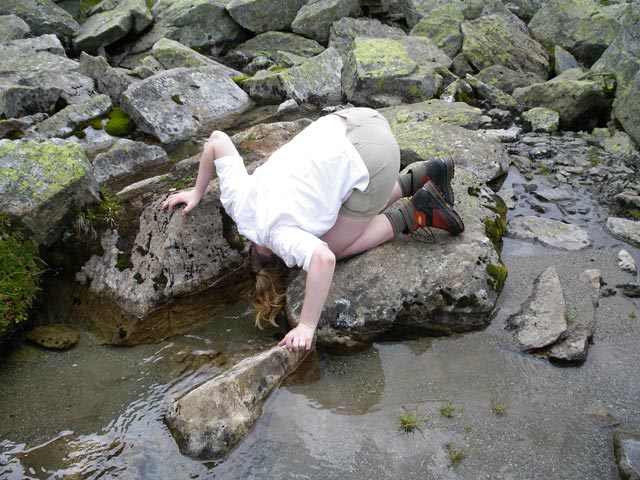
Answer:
(622, 58)
(626, 109)
(579, 26)
(442, 27)
(416, 10)
(42, 16)
(260, 16)
(149, 262)
(344, 31)
(422, 134)
(37, 76)
(452, 288)
(211, 419)
(172, 54)
(175, 104)
(41, 182)
(315, 80)
(314, 19)
(581, 104)
(270, 43)
(112, 21)
(381, 72)
(492, 40)
(13, 27)
(198, 24)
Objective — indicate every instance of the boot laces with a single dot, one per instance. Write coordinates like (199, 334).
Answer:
(423, 235)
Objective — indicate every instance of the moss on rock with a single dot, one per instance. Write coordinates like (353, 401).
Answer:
(119, 123)
(498, 274)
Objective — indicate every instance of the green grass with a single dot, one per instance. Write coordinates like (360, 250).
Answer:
(411, 420)
(455, 455)
(103, 214)
(20, 272)
(447, 410)
(497, 406)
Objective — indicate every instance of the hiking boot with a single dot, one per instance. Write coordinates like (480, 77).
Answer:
(439, 170)
(431, 210)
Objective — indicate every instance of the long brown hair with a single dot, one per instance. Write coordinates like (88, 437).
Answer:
(272, 279)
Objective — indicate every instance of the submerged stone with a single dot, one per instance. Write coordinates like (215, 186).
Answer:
(54, 337)
(551, 233)
(626, 448)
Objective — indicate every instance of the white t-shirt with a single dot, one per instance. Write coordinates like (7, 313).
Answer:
(295, 197)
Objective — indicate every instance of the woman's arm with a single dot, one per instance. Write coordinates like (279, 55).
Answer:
(218, 145)
(319, 276)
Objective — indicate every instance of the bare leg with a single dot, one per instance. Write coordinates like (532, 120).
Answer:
(349, 236)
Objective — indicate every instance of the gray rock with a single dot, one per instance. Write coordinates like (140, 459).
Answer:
(386, 288)
(316, 80)
(314, 19)
(344, 31)
(574, 347)
(13, 27)
(188, 22)
(541, 120)
(490, 95)
(422, 134)
(113, 21)
(172, 54)
(416, 10)
(110, 81)
(209, 420)
(67, 120)
(492, 40)
(625, 230)
(593, 279)
(622, 57)
(42, 16)
(41, 182)
(385, 71)
(54, 337)
(601, 415)
(579, 26)
(126, 158)
(507, 79)
(171, 256)
(541, 319)
(288, 106)
(260, 16)
(93, 141)
(452, 113)
(442, 27)
(270, 43)
(581, 103)
(563, 61)
(148, 67)
(524, 9)
(555, 195)
(626, 109)
(16, 126)
(548, 232)
(36, 75)
(626, 262)
(626, 448)
(175, 104)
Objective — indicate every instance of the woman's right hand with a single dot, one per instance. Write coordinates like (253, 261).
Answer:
(191, 199)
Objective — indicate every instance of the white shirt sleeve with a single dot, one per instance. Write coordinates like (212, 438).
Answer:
(294, 245)
(232, 173)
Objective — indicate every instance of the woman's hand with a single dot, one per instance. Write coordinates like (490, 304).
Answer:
(191, 199)
(300, 338)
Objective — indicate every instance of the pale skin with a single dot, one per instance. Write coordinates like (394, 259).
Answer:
(347, 237)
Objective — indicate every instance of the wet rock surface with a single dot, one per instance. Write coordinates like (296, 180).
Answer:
(55, 337)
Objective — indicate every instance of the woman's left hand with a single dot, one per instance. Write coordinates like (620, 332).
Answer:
(300, 338)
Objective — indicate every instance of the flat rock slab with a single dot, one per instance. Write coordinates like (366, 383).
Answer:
(541, 320)
(447, 286)
(625, 230)
(550, 233)
(54, 337)
(125, 158)
(575, 346)
(209, 420)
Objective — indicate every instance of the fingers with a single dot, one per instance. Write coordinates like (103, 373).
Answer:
(295, 342)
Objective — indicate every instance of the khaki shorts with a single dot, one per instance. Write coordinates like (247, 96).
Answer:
(370, 134)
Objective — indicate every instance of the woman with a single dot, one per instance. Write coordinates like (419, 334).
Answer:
(317, 200)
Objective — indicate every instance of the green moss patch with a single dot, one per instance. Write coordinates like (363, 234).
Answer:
(498, 275)
(119, 123)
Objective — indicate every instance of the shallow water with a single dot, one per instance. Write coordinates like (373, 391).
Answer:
(97, 411)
